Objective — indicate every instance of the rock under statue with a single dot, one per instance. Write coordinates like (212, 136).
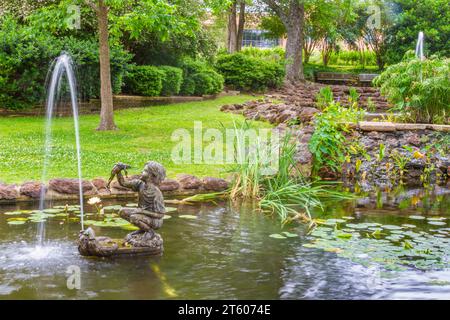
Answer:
(148, 217)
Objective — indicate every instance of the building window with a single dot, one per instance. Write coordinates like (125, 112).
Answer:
(256, 38)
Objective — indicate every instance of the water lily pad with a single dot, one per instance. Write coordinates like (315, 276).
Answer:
(16, 222)
(344, 235)
(409, 226)
(436, 219)
(13, 213)
(17, 219)
(52, 210)
(277, 236)
(188, 216)
(437, 223)
(170, 209)
(356, 226)
(348, 218)
(391, 227)
(166, 216)
(290, 235)
(417, 217)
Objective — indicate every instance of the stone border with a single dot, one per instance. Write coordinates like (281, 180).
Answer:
(67, 189)
(391, 126)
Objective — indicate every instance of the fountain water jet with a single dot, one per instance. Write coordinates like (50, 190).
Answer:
(419, 46)
(61, 66)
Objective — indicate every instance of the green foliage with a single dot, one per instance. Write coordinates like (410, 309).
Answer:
(328, 144)
(144, 80)
(353, 58)
(26, 55)
(324, 97)
(200, 78)
(86, 58)
(430, 16)
(284, 191)
(24, 60)
(276, 54)
(172, 80)
(244, 72)
(420, 90)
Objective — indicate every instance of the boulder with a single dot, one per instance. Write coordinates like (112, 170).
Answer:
(307, 114)
(169, 185)
(70, 186)
(188, 181)
(99, 183)
(8, 192)
(31, 189)
(214, 184)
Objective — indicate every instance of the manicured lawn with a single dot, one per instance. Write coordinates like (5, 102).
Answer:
(145, 134)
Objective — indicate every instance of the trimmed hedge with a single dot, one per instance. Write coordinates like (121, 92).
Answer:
(172, 80)
(200, 78)
(144, 80)
(244, 72)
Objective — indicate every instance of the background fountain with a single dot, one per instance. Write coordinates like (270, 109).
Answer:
(419, 46)
(62, 66)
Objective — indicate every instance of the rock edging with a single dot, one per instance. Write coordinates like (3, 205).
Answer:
(68, 189)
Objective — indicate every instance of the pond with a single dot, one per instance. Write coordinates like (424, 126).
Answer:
(229, 251)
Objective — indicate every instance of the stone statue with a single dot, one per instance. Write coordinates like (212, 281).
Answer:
(148, 216)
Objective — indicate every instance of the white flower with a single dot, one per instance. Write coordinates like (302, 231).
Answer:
(94, 200)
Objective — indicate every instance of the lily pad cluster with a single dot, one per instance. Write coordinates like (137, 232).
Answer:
(37, 216)
(72, 213)
(394, 247)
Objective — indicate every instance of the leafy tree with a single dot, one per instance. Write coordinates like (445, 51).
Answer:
(430, 16)
(114, 18)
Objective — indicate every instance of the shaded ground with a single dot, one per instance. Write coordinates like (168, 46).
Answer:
(145, 134)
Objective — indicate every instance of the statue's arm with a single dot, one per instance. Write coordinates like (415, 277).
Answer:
(130, 184)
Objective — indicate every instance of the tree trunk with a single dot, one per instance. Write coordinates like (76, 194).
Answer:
(294, 45)
(232, 28)
(240, 31)
(107, 111)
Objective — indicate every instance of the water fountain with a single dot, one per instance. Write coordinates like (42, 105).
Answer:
(62, 66)
(419, 46)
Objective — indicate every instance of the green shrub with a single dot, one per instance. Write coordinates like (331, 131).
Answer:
(172, 80)
(24, 60)
(420, 90)
(271, 54)
(247, 73)
(188, 87)
(144, 80)
(26, 55)
(354, 58)
(200, 78)
(328, 144)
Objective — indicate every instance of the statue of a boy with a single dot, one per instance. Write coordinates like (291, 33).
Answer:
(149, 214)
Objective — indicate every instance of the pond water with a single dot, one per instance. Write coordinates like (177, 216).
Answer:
(224, 251)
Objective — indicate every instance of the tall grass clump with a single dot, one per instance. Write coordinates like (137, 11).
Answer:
(283, 191)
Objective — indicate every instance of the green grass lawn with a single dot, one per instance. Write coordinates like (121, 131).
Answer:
(145, 134)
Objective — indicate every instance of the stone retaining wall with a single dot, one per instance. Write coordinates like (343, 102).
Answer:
(68, 189)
